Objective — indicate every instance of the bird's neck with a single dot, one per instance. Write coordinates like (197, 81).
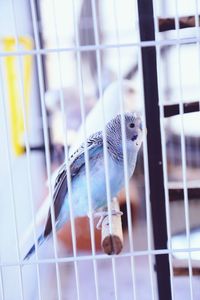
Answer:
(115, 149)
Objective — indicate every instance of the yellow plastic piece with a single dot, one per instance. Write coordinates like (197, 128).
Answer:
(15, 95)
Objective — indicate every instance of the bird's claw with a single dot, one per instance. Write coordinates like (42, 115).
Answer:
(104, 214)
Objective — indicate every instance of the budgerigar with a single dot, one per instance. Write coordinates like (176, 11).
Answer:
(133, 132)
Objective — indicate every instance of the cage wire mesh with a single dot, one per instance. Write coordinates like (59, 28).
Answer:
(67, 68)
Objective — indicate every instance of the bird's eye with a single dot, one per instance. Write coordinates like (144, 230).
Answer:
(131, 125)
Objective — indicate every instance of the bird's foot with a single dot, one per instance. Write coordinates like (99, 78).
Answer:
(104, 214)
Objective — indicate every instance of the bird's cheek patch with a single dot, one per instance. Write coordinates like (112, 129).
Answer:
(134, 137)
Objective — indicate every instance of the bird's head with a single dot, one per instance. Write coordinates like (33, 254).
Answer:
(133, 130)
(133, 126)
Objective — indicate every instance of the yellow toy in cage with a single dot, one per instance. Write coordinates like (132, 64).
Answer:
(18, 89)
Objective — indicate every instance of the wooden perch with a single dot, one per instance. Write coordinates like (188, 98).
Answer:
(112, 243)
(184, 22)
(184, 271)
(176, 190)
(174, 109)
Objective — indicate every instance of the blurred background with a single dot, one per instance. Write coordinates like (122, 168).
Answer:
(56, 55)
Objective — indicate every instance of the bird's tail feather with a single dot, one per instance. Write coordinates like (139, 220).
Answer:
(32, 250)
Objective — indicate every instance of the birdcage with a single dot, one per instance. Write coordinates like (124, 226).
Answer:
(67, 68)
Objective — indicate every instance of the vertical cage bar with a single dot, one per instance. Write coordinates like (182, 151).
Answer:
(11, 183)
(164, 152)
(146, 174)
(164, 149)
(43, 59)
(2, 293)
(38, 16)
(105, 152)
(66, 152)
(157, 194)
(20, 83)
(147, 188)
(46, 137)
(167, 204)
(183, 151)
(86, 154)
(125, 162)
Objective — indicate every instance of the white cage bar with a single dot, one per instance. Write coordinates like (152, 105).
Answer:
(141, 43)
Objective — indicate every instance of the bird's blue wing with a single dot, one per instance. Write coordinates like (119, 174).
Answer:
(77, 162)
